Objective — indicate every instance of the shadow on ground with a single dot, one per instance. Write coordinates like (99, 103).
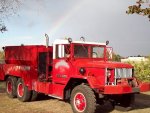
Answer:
(142, 101)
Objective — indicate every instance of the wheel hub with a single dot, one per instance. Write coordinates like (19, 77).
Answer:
(80, 102)
(20, 89)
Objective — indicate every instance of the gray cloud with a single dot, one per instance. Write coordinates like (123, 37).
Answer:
(97, 20)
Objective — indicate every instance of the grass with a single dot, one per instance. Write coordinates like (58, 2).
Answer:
(49, 105)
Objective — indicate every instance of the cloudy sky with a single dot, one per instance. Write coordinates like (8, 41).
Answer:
(96, 20)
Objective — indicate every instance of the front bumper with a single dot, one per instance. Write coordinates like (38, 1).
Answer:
(119, 89)
(124, 89)
(145, 86)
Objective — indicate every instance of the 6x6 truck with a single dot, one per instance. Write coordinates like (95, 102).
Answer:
(77, 71)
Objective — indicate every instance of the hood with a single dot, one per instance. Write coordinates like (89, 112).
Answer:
(101, 64)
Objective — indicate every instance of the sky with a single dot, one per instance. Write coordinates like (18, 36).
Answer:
(96, 20)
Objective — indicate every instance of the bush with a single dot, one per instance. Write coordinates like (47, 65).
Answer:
(1, 55)
(142, 70)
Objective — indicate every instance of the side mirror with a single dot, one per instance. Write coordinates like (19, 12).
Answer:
(47, 40)
(3, 48)
(109, 53)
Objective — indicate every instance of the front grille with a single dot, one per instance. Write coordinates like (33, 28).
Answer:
(123, 73)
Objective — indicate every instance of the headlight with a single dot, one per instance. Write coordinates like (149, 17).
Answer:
(82, 70)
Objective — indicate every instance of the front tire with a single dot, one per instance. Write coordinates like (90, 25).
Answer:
(23, 94)
(83, 99)
(11, 87)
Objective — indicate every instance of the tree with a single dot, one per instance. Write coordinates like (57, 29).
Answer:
(7, 8)
(1, 56)
(116, 57)
(142, 69)
(138, 9)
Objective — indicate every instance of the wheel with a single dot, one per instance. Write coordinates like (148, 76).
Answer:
(11, 87)
(23, 94)
(83, 99)
(34, 95)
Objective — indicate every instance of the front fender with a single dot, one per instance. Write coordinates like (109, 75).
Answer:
(93, 82)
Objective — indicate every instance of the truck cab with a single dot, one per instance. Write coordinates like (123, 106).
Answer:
(92, 62)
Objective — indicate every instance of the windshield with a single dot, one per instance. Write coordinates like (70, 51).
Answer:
(88, 51)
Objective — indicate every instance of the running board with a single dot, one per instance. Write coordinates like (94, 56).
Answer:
(56, 97)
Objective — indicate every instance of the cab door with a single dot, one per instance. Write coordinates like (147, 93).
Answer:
(61, 71)
(61, 65)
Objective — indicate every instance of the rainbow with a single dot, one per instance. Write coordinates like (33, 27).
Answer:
(60, 22)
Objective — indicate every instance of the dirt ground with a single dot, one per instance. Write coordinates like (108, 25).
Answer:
(45, 104)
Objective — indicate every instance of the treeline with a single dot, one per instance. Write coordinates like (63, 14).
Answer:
(142, 69)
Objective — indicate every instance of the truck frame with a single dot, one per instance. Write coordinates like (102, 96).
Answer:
(76, 71)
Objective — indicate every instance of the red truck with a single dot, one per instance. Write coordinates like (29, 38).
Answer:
(76, 71)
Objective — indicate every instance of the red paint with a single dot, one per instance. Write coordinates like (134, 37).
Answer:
(119, 89)
(144, 86)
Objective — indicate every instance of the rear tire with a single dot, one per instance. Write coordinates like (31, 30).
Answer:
(11, 87)
(23, 94)
(83, 99)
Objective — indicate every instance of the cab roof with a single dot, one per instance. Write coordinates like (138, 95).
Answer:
(65, 41)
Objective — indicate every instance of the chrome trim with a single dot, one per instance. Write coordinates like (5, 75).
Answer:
(123, 73)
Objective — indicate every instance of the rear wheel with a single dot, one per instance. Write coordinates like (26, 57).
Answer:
(83, 99)
(11, 87)
(23, 94)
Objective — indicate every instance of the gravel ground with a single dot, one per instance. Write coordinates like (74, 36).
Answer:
(45, 104)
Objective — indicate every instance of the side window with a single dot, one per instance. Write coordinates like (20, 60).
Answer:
(97, 52)
(109, 52)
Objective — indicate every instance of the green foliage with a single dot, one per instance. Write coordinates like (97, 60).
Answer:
(142, 70)
(137, 9)
(116, 57)
(1, 55)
